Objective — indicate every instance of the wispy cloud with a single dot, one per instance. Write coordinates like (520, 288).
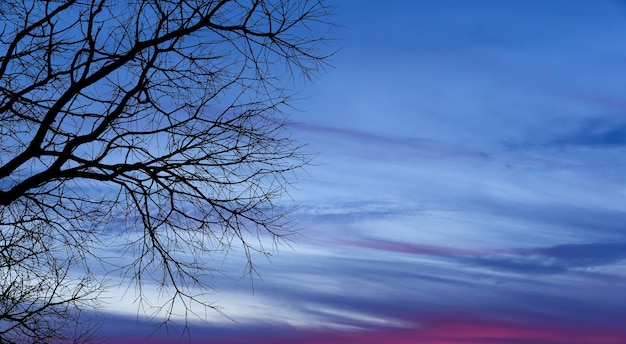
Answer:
(395, 146)
(594, 133)
(461, 328)
(540, 260)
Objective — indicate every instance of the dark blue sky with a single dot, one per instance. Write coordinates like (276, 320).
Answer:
(470, 185)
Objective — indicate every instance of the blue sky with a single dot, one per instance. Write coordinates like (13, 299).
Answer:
(470, 185)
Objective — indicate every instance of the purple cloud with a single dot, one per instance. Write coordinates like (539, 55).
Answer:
(395, 146)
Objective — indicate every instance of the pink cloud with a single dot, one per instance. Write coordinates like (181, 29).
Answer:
(465, 327)
(440, 331)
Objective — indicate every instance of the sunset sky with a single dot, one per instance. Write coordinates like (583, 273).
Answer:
(470, 186)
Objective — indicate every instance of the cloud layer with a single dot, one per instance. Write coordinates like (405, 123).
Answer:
(470, 186)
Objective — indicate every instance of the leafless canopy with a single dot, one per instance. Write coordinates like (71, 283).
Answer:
(162, 120)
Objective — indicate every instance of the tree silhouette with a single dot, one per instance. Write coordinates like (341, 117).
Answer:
(159, 120)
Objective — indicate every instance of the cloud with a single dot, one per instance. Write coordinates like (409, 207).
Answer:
(584, 255)
(458, 328)
(395, 146)
(601, 100)
(542, 260)
(376, 291)
(403, 247)
(342, 211)
(588, 220)
(516, 264)
(601, 133)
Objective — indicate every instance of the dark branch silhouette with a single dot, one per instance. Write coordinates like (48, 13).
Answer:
(162, 117)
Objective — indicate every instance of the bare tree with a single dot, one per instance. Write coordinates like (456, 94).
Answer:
(165, 118)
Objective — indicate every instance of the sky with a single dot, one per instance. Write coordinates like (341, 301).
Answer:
(469, 186)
